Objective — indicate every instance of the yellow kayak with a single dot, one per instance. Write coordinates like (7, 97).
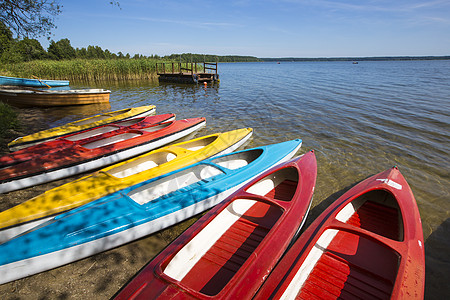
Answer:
(119, 176)
(83, 124)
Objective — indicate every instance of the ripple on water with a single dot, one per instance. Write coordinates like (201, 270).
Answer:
(360, 119)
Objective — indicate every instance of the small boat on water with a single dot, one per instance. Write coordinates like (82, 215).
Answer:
(136, 211)
(367, 245)
(49, 98)
(16, 81)
(92, 153)
(230, 251)
(39, 209)
(79, 125)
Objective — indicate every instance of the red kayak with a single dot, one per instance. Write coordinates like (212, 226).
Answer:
(366, 245)
(94, 152)
(231, 250)
(82, 137)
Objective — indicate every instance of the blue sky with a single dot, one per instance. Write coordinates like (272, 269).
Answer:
(266, 28)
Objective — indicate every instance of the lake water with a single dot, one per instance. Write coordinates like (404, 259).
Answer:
(360, 119)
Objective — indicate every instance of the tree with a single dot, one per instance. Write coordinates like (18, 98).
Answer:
(95, 52)
(6, 38)
(108, 54)
(61, 50)
(29, 18)
(30, 49)
(81, 53)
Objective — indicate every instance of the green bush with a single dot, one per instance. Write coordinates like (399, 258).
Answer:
(8, 119)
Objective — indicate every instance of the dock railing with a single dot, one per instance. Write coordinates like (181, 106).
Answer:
(187, 72)
(186, 68)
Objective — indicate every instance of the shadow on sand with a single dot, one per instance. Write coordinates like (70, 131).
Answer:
(437, 263)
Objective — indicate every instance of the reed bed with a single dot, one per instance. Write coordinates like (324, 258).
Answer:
(86, 69)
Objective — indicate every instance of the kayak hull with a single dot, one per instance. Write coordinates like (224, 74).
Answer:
(80, 125)
(64, 163)
(134, 212)
(114, 178)
(369, 241)
(17, 81)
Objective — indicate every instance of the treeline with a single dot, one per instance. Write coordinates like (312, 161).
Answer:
(375, 58)
(191, 57)
(16, 51)
(24, 50)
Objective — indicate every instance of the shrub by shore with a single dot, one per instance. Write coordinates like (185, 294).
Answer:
(8, 119)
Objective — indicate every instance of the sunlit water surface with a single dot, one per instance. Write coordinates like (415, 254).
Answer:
(359, 118)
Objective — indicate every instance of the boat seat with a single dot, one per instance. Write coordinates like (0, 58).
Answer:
(232, 249)
(352, 266)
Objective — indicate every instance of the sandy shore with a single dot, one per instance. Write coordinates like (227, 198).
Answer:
(96, 277)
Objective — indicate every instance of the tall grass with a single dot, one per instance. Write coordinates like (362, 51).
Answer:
(85, 69)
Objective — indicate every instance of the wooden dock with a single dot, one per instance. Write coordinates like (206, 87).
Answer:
(187, 72)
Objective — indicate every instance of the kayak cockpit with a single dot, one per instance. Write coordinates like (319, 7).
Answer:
(376, 211)
(238, 160)
(209, 261)
(91, 133)
(153, 160)
(100, 117)
(280, 185)
(172, 183)
(129, 122)
(193, 175)
(111, 140)
(154, 128)
(142, 164)
(361, 264)
(199, 143)
(212, 258)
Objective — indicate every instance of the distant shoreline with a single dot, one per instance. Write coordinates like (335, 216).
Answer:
(374, 58)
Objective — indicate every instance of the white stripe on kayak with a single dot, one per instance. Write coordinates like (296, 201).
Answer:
(93, 164)
(193, 251)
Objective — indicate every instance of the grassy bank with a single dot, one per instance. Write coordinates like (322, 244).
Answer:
(85, 69)
(8, 119)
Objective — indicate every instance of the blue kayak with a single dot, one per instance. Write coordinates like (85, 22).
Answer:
(136, 211)
(16, 81)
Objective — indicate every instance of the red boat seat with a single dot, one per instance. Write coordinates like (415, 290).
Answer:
(224, 259)
(354, 267)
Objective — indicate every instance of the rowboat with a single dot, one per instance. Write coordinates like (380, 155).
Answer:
(16, 81)
(93, 153)
(82, 137)
(49, 98)
(136, 211)
(39, 209)
(231, 250)
(366, 245)
(79, 125)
